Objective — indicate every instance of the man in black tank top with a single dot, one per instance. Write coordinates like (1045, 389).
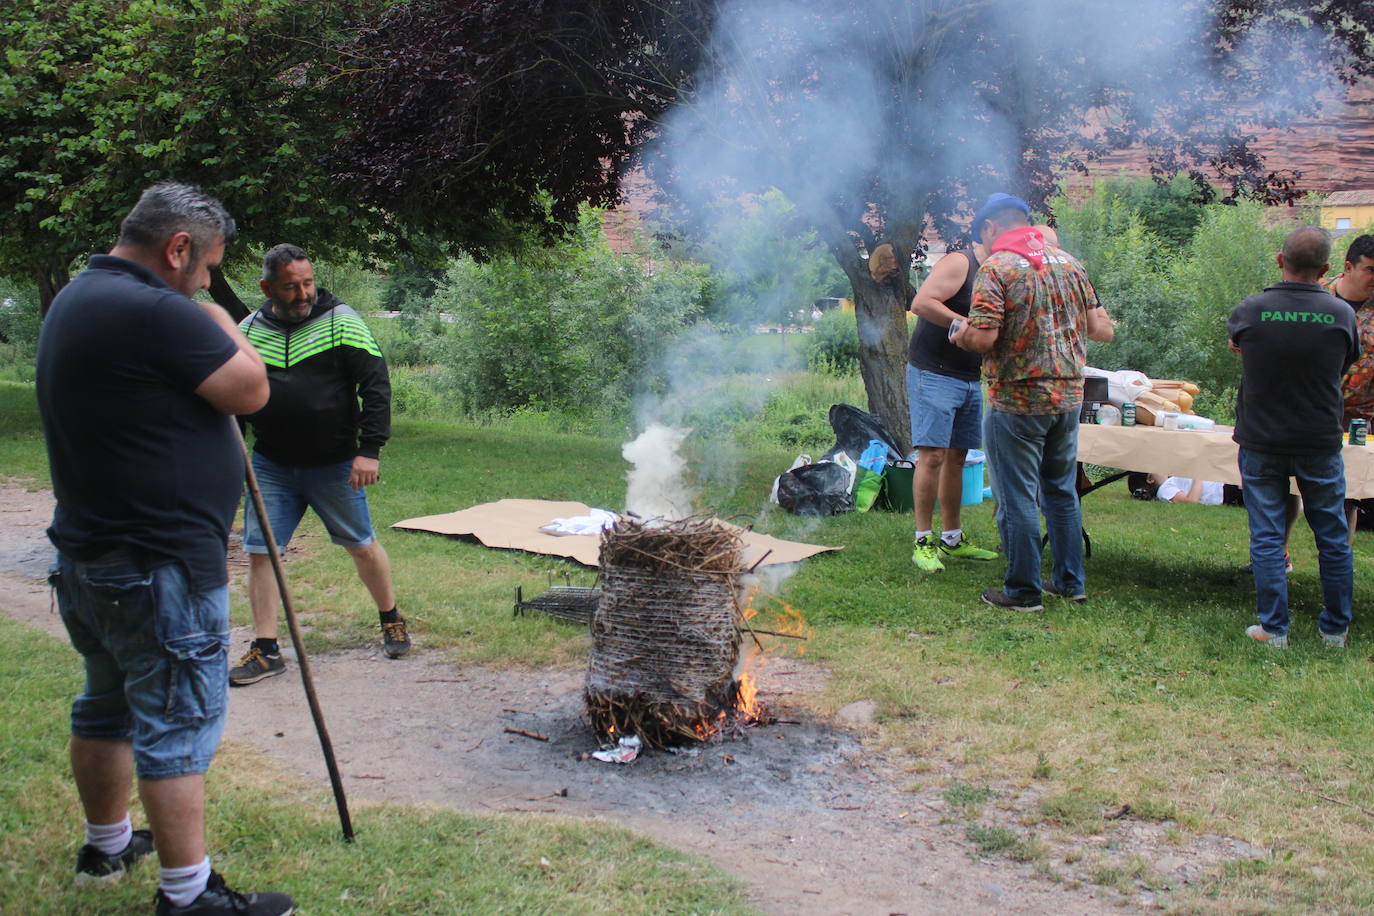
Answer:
(946, 402)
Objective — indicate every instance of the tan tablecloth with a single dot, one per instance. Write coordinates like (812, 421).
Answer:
(1186, 453)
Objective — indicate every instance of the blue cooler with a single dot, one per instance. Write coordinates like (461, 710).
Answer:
(974, 465)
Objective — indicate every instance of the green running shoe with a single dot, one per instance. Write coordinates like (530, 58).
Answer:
(926, 556)
(966, 551)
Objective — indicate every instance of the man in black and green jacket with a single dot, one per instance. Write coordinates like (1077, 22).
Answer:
(316, 444)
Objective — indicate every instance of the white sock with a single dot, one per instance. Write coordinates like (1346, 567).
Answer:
(183, 885)
(110, 839)
(922, 534)
(952, 537)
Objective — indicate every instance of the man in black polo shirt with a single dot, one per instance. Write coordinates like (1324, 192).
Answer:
(1295, 342)
(136, 383)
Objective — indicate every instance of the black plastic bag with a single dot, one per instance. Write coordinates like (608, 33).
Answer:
(816, 490)
(854, 429)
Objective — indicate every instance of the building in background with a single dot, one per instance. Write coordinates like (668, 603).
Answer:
(1348, 211)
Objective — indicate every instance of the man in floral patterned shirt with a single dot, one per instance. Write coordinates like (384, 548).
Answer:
(1033, 312)
(1355, 284)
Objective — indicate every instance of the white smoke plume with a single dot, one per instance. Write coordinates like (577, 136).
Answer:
(657, 477)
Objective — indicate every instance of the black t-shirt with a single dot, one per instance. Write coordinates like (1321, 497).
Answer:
(930, 348)
(1296, 342)
(138, 460)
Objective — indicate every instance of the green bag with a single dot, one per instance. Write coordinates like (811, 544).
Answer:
(867, 486)
(896, 495)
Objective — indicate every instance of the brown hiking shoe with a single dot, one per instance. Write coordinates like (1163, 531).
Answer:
(395, 638)
(254, 666)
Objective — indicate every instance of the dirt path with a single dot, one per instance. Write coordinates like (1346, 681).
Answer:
(806, 812)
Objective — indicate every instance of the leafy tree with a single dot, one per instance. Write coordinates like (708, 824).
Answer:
(100, 98)
(875, 119)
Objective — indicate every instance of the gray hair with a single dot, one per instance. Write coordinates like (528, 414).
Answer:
(279, 256)
(1307, 250)
(168, 208)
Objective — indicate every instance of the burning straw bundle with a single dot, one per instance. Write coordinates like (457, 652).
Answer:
(664, 637)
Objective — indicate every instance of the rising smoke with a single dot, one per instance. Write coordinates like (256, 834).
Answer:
(657, 478)
(861, 114)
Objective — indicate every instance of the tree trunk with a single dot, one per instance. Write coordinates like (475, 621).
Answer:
(881, 309)
(51, 276)
(224, 294)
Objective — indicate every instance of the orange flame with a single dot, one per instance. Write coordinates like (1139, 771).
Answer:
(748, 702)
(781, 618)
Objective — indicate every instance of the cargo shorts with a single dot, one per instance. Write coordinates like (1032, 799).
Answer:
(157, 659)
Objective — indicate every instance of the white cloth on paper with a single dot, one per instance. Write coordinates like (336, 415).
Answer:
(1122, 385)
(595, 523)
(1171, 487)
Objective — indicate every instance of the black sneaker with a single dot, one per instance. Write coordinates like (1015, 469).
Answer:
(93, 866)
(1075, 597)
(998, 598)
(217, 899)
(395, 638)
(254, 666)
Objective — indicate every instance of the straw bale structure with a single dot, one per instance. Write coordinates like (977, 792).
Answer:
(664, 634)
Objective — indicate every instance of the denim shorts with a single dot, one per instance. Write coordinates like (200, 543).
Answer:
(945, 412)
(288, 491)
(157, 659)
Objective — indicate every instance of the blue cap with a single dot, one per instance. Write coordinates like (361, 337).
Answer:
(995, 204)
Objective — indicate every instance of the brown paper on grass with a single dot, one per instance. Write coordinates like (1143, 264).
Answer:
(1195, 454)
(513, 524)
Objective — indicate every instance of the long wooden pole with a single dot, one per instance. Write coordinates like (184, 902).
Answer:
(307, 679)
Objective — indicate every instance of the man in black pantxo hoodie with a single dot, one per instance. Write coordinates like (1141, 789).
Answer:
(1295, 342)
(315, 444)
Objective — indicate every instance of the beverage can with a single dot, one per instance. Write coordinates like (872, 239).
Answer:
(1359, 430)
(1088, 412)
(1128, 413)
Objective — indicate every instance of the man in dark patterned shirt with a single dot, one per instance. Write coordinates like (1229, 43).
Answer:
(1355, 284)
(1033, 312)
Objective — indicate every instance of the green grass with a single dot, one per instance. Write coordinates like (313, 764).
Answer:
(1147, 695)
(996, 840)
(267, 831)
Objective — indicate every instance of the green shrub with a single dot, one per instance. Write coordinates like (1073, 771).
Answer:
(768, 266)
(1133, 282)
(19, 325)
(574, 325)
(1230, 257)
(418, 392)
(834, 342)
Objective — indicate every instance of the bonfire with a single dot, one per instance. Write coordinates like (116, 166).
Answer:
(666, 631)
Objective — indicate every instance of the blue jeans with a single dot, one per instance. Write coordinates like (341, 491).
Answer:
(945, 412)
(157, 660)
(1321, 481)
(1034, 461)
(286, 493)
